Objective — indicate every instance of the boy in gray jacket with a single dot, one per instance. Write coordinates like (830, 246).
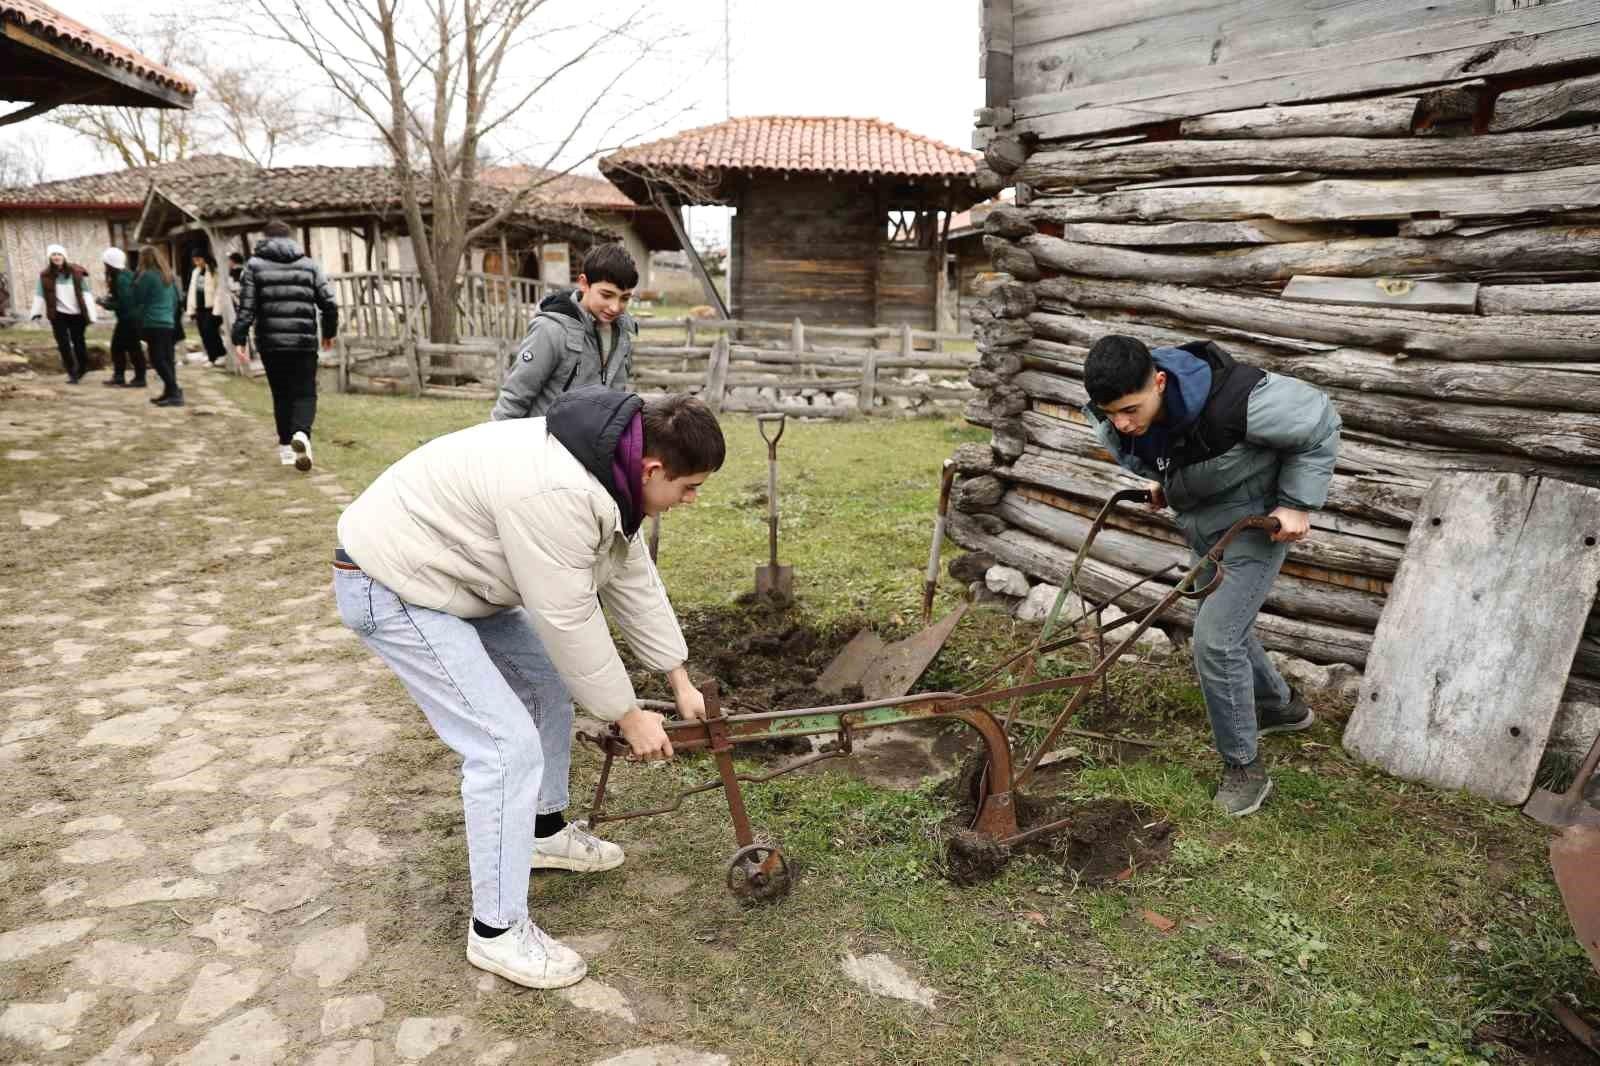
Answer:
(1223, 441)
(582, 336)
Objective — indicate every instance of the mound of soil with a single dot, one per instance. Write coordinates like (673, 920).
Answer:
(763, 657)
(1103, 842)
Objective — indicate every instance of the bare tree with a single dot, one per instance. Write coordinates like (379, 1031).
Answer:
(258, 112)
(24, 160)
(438, 85)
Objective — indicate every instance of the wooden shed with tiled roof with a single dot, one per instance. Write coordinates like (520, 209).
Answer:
(837, 221)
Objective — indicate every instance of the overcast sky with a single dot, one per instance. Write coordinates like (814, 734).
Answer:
(910, 62)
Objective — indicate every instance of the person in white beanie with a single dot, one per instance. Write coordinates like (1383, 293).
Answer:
(125, 346)
(63, 296)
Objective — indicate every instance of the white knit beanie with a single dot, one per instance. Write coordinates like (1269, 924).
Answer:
(55, 249)
(115, 258)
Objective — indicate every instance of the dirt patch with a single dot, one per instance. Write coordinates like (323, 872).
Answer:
(763, 656)
(1103, 842)
(1536, 1042)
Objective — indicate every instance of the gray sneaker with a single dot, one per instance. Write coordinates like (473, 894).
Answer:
(1290, 718)
(1244, 788)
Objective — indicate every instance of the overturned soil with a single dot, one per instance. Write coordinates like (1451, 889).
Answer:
(1103, 842)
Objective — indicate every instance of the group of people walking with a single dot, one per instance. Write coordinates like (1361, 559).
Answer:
(280, 292)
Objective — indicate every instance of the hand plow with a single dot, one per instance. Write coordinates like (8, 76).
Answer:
(759, 872)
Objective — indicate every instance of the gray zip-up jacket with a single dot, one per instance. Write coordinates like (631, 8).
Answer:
(560, 353)
(1275, 448)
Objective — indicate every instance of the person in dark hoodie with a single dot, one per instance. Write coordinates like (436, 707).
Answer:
(582, 336)
(1222, 441)
(284, 294)
(476, 568)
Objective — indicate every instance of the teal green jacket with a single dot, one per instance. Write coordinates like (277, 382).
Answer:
(155, 303)
(122, 299)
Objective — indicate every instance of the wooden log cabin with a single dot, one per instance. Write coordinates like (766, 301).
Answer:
(1398, 201)
(837, 221)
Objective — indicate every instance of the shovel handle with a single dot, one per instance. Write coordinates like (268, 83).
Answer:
(762, 421)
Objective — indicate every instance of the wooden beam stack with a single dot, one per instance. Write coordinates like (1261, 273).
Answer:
(1430, 257)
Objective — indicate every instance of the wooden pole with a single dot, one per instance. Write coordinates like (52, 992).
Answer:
(674, 216)
(868, 393)
(344, 363)
(717, 374)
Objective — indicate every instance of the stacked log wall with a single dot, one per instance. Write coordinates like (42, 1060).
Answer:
(1429, 257)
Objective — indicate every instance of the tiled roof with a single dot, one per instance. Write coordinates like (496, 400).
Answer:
(75, 36)
(577, 190)
(298, 191)
(122, 189)
(816, 145)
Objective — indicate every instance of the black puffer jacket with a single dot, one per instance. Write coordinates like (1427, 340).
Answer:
(281, 292)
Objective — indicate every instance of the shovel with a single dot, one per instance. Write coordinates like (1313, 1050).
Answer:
(772, 579)
(1575, 851)
(885, 670)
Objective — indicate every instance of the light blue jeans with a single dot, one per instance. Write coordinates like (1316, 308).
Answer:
(1236, 677)
(491, 693)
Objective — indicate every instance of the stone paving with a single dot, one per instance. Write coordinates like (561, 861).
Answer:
(198, 863)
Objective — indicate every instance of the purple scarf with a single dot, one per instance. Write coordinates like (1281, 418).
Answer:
(627, 466)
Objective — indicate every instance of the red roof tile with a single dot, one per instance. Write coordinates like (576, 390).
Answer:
(118, 189)
(816, 145)
(64, 32)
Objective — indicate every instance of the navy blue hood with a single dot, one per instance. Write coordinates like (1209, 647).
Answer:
(1188, 386)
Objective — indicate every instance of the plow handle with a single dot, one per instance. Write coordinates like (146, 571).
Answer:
(930, 581)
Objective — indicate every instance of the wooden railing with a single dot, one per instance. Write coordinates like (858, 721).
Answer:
(394, 305)
(793, 377)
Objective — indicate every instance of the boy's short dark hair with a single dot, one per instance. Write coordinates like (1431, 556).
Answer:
(681, 431)
(1116, 366)
(277, 227)
(610, 262)
(236, 258)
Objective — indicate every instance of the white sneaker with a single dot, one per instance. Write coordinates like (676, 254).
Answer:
(577, 849)
(285, 455)
(302, 450)
(526, 955)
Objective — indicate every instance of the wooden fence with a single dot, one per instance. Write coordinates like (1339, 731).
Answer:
(394, 304)
(731, 373)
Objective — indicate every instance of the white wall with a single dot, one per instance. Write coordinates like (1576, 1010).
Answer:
(25, 236)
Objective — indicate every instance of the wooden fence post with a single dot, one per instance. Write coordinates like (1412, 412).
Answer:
(688, 331)
(867, 395)
(717, 374)
(414, 363)
(797, 339)
(343, 378)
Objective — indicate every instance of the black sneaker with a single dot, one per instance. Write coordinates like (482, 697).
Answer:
(137, 383)
(1244, 789)
(175, 400)
(114, 383)
(1290, 718)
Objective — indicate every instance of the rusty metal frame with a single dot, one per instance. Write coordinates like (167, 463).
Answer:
(995, 816)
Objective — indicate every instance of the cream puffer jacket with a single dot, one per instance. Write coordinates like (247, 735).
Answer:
(502, 515)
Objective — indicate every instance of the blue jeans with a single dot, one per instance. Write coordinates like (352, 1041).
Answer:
(1236, 677)
(491, 693)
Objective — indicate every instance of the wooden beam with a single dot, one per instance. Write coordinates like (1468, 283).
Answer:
(1507, 152)
(1458, 296)
(1480, 47)
(674, 216)
(1531, 249)
(1246, 231)
(1574, 299)
(1388, 116)
(1489, 195)
(1563, 338)
(1540, 105)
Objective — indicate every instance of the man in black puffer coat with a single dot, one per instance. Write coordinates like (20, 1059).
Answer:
(283, 293)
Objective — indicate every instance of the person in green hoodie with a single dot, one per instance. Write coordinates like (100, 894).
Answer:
(125, 346)
(156, 301)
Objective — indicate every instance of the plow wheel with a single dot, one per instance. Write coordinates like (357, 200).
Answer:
(758, 873)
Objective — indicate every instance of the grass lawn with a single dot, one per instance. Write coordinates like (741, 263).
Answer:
(1356, 919)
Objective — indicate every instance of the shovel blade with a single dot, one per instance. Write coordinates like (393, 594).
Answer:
(1575, 858)
(775, 581)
